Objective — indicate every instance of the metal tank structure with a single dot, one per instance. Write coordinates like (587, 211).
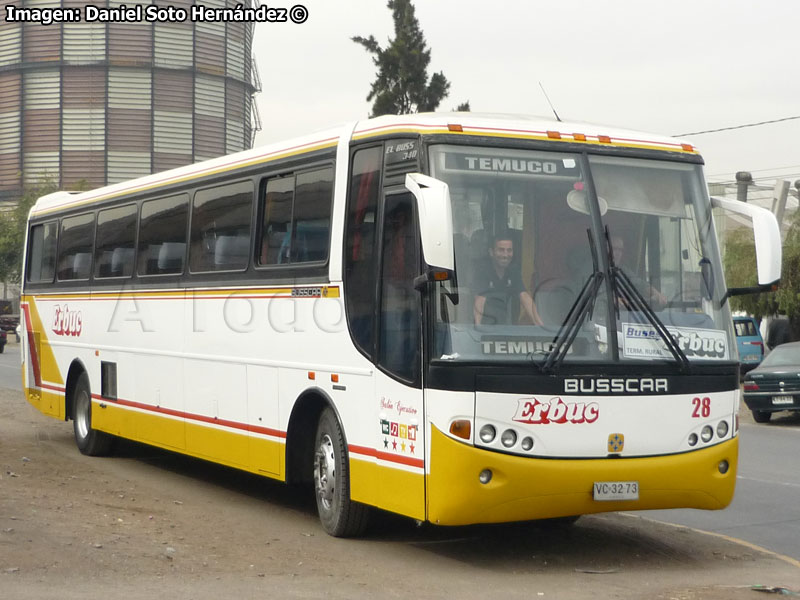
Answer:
(103, 102)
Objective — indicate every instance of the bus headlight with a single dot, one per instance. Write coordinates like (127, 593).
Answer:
(692, 439)
(509, 438)
(722, 429)
(488, 433)
(527, 443)
(706, 433)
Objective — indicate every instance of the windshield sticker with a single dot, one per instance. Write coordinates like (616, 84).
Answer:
(643, 341)
(533, 412)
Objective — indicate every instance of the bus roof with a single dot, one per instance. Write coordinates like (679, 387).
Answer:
(455, 123)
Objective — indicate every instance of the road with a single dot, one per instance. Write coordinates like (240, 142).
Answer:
(766, 507)
(150, 524)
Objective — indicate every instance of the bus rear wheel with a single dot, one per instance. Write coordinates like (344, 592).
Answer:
(340, 516)
(89, 441)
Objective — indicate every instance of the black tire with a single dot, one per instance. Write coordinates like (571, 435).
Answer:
(761, 416)
(89, 441)
(340, 516)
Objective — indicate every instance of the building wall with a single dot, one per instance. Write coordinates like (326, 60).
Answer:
(106, 102)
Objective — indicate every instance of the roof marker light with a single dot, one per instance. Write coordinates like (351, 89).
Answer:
(579, 137)
(604, 139)
(554, 135)
(455, 127)
(687, 147)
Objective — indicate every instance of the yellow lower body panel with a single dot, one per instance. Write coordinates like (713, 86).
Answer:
(395, 490)
(231, 448)
(47, 402)
(523, 488)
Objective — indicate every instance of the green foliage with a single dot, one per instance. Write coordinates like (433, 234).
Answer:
(402, 85)
(12, 231)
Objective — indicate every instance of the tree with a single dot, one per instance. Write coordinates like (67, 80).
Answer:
(12, 231)
(740, 271)
(402, 85)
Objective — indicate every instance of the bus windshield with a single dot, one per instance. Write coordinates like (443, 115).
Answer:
(528, 253)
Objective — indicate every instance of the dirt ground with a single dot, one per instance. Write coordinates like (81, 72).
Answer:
(148, 524)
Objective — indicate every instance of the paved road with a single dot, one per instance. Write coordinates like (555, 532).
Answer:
(766, 507)
(10, 377)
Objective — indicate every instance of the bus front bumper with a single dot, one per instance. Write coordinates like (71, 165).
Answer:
(524, 488)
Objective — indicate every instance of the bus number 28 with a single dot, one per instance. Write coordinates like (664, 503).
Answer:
(702, 407)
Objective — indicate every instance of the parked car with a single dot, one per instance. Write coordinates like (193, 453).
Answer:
(750, 342)
(775, 384)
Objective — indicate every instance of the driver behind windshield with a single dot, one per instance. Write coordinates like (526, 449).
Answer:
(500, 292)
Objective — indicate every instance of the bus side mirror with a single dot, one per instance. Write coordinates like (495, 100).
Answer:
(768, 243)
(435, 221)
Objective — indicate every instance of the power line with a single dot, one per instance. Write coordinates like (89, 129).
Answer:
(760, 171)
(738, 126)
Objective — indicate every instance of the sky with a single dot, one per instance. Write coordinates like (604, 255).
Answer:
(663, 66)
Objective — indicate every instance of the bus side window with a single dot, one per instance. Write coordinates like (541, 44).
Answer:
(162, 235)
(220, 231)
(116, 236)
(42, 252)
(359, 252)
(75, 248)
(296, 218)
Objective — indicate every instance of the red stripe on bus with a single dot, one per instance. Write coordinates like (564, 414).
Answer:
(37, 374)
(387, 456)
(193, 417)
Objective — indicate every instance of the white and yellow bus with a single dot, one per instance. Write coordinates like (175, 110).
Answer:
(410, 313)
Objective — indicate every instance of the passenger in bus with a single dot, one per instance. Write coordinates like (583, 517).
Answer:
(499, 289)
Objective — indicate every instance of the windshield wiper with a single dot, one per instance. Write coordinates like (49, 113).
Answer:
(583, 306)
(571, 326)
(623, 286)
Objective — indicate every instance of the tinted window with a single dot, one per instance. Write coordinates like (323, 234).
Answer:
(162, 236)
(75, 248)
(296, 216)
(115, 243)
(400, 302)
(42, 252)
(220, 238)
(359, 251)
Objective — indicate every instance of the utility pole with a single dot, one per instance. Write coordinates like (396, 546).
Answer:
(743, 180)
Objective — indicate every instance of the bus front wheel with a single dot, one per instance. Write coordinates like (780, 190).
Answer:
(89, 441)
(340, 516)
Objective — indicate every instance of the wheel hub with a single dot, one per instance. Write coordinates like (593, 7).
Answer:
(325, 472)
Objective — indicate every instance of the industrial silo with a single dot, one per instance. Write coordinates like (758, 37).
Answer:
(107, 101)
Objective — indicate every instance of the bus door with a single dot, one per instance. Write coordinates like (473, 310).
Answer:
(400, 447)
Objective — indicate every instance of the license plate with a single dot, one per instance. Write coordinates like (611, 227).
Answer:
(750, 357)
(616, 490)
(782, 400)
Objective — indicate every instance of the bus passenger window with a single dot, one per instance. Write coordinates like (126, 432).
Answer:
(116, 235)
(296, 217)
(162, 236)
(277, 217)
(220, 237)
(42, 252)
(75, 249)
